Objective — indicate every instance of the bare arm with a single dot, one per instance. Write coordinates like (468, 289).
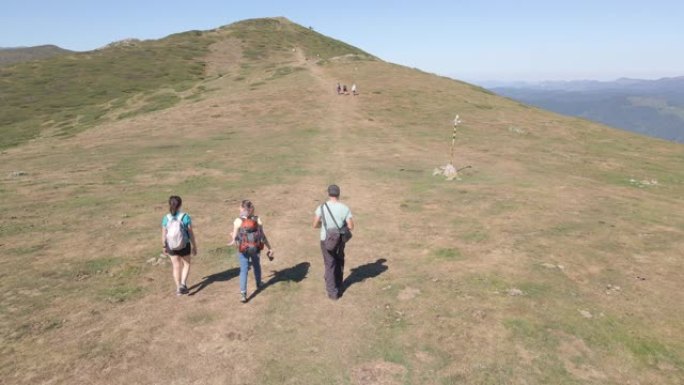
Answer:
(164, 240)
(233, 234)
(192, 240)
(350, 223)
(316, 222)
(265, 238)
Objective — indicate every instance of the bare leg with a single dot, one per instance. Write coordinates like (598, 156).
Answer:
(175, 261)
(186, 269)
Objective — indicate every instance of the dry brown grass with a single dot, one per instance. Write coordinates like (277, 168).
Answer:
(547, 209)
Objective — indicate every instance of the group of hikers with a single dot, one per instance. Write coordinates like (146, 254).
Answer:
(333, 217)
(343, 90)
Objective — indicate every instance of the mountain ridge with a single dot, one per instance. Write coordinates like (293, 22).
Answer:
(650, 107)
(13, 55)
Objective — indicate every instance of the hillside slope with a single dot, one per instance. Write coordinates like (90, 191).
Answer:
(66, 94)
(10, 56)
(555, 259)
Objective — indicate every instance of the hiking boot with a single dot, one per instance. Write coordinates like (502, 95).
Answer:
(243, 297)
(183, 289)
(260, 285)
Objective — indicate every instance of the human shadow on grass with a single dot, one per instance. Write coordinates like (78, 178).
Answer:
(363, 272)
(218, 277)
(296, 273)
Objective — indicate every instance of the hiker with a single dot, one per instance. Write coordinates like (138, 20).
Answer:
(248, 233)
(354, 90)
(335, 220)
(339, 88)
(344, 90)
(178, 242)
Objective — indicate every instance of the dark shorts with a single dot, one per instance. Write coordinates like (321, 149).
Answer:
(184, 252)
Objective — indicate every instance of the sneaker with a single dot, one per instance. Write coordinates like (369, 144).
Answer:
(179, 292)
(260, 285)
(243, 297)
(183, 289)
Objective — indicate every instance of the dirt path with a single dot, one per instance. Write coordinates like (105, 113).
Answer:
(210, 337)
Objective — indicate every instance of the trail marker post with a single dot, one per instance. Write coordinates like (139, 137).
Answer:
(457, 121)
(449, 171)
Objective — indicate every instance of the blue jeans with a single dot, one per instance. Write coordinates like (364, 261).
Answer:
(244, 268)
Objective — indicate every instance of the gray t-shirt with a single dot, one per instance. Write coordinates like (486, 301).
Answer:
(339, 210)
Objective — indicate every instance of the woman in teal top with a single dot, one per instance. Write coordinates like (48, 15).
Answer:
(173, 222)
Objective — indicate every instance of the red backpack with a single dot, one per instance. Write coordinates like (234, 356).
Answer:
(250, 237)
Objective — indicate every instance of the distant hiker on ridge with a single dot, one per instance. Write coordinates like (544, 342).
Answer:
(339, 88)
(248, 233)
(354, 90)
(344, 90)
(337, 223)
(177, 238)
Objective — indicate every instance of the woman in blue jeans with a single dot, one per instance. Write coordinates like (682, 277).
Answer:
(248, 234)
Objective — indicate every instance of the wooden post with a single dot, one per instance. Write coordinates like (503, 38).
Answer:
(457, 121)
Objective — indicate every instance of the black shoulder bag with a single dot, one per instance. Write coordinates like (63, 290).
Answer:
(333, 237)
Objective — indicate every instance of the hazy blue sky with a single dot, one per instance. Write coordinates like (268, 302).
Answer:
(469, 40)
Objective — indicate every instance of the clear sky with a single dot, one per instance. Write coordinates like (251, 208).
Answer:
(469, 40)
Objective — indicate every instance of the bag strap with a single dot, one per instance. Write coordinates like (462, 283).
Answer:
(179, 217)
(323, 217)
(170, 217)
(331, 215)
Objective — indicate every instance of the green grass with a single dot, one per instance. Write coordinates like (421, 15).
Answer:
(35, 328)
(75, 91)
(26, 250)
(284, 71)
(120, 293)
(15, 227)
(448, 254)
(101, 265)
(200, 318)
(411, 205)
(265, 38)
(153, 103)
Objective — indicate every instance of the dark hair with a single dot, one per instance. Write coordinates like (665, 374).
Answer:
(334, 190)
(247, 204)
(175, 202)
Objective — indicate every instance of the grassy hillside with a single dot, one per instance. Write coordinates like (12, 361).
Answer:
(17, 55)
(555, 259)
(69, 93)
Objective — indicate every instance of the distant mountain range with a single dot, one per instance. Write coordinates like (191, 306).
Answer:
(21, 54)
(649, 107)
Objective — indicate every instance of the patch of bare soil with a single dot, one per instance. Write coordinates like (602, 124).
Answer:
(224, 57)
(379, 373)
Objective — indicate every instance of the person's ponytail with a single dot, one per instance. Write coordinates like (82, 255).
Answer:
(175, 203)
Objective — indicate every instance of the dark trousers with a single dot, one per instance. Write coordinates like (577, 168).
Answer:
(334, 267)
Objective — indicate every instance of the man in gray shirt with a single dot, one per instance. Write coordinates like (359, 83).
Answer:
(335, 214)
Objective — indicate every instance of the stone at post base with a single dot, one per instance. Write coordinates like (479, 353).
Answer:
(448, 171)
